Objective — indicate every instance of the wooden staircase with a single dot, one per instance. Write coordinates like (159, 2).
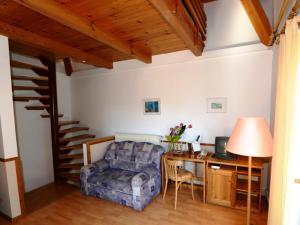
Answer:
(39, 91)
(71, 138)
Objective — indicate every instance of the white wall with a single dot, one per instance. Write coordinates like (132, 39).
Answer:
(35, 147)
(9, 196)
(9, 192)
(275, 50)
(228, 24)
(34, 132)
(277, 6)
(64, 95)
(6, 104)
(1, 140)
(111, 101)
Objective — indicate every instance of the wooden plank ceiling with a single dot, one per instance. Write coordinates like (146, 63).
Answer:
(106, 31)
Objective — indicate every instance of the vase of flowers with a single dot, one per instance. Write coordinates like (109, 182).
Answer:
(176, 134)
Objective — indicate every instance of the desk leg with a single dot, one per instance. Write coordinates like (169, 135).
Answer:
(204, 182)
(195, 171)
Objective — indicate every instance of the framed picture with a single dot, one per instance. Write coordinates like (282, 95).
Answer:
(152, 106)
(216, 105)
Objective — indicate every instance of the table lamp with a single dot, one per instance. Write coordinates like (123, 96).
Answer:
(250, 137)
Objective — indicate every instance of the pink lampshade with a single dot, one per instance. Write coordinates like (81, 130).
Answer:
(251, 137)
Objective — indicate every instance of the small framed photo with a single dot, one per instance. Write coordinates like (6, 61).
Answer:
(217, 105)
(152, 106)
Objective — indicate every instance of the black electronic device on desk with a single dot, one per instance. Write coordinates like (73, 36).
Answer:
(220, 149)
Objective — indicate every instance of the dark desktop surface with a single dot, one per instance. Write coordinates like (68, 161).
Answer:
(225, 156)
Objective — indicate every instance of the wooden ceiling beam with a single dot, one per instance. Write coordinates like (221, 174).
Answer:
(68, 66)
(259, 20)
(62, 15)
(22, 36)
(175, 14)
(198, 19)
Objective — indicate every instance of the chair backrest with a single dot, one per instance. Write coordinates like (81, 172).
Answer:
(171, 168)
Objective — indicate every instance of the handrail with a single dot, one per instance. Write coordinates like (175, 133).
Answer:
(100, 140)
(93, 142)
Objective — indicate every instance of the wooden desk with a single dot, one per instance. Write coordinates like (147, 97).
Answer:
(235, 170)
(241, 161)
(231, 170)
(196, 158)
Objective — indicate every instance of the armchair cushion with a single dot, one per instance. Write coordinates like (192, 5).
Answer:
(114, 179)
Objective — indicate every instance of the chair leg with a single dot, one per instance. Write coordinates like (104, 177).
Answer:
(166, 186)
(192, 188)
(176, 190)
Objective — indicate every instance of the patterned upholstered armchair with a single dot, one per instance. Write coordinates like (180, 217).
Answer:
(129, 174)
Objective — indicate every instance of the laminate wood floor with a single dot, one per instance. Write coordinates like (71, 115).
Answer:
(68, 206)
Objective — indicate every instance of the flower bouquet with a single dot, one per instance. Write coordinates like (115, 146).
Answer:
(176, 134)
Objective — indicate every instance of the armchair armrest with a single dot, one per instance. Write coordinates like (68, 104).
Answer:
(148, 177)
(155, 179)
(145, 186)
(139, 180)
(89, 170)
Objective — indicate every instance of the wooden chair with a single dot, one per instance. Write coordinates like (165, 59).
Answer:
(175, 172)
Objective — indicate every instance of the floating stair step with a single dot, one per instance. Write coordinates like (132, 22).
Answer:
(37, 107)
(29, 98)
(75, 177)
(20, 99)
(70, 166)
(30, 78)
(48, 116)
(70, 122)
(77, 138)
(29, 88)
(71, 156)
(17, 64)
(73, 129)
(71, 147)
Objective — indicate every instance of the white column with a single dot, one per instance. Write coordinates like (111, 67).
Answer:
(6, 104)
(9, 193)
